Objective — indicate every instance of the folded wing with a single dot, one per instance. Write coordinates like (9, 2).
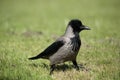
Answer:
(53, 48)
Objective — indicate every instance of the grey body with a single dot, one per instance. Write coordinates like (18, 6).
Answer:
(69, 50)
(66, 47)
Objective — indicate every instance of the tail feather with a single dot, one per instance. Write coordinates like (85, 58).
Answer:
(37, 57)
(33, 58)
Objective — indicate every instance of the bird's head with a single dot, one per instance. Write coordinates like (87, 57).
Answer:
(77, 25)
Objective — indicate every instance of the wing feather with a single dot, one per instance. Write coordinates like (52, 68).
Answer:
(53, 48)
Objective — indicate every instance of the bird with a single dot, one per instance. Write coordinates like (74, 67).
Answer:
(66, 47)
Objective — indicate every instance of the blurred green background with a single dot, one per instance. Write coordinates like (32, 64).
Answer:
(28, 26)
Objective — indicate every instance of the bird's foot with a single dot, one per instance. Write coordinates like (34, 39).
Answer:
(52, 67)
(77, 68)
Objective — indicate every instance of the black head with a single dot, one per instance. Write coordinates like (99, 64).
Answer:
(77, 25)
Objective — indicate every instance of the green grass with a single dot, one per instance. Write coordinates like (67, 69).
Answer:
(28, 26)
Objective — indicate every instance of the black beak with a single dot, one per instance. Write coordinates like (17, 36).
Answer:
(85, 27)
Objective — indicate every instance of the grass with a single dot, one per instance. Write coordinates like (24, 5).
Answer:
(28, 26)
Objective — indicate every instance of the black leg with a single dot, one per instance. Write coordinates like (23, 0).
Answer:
(75, 64)
(52, 67)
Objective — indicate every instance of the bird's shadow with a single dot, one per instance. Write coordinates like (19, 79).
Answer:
(60, 67)
(63, 67)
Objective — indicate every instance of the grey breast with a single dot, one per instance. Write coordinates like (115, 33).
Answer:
(68, 52)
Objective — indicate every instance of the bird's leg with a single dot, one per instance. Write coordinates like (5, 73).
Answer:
(75, 64)
(52, 67)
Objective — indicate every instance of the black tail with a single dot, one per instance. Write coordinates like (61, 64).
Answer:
(33, 58)
(36, 57)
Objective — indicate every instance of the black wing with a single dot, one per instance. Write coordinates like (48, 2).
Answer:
(50, 50)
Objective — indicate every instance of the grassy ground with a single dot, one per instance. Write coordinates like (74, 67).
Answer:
(28, 26)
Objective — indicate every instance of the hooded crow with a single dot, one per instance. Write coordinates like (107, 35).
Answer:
(64, 48)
